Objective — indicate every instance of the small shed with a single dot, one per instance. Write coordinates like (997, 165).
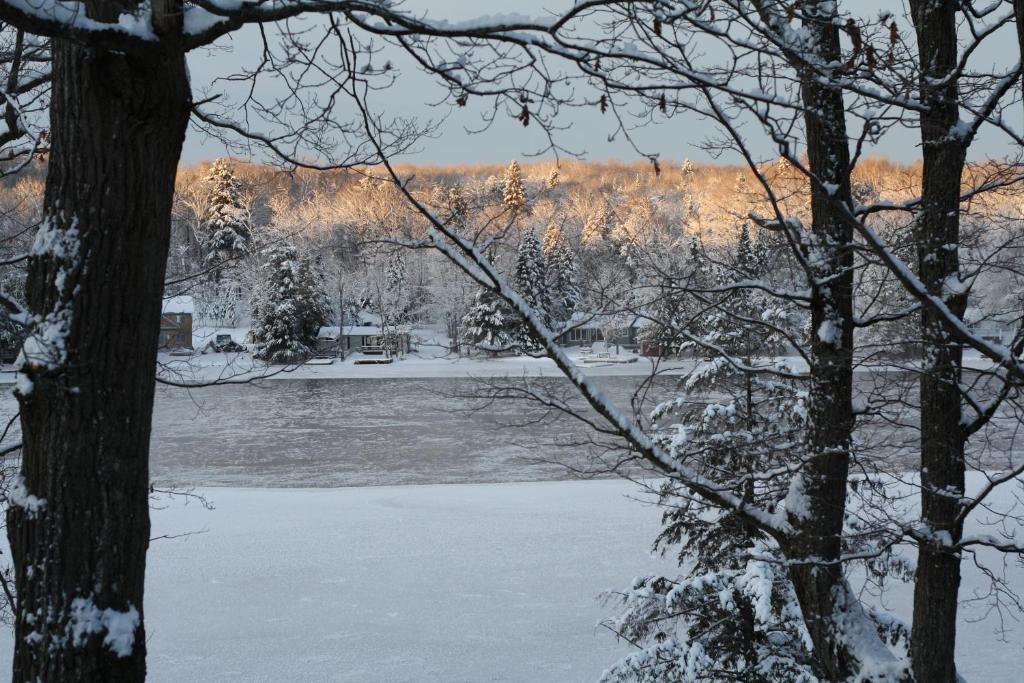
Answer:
(176, 323)
(653, 348)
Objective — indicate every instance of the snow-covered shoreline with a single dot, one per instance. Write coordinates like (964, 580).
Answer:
(425, 365)
(203, 368)
(214, 366)
(430, 360)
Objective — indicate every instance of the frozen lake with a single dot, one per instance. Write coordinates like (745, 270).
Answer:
(385, 431)
(306, 432)
(359, 432)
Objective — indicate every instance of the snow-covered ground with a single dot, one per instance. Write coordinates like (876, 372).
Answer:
(430, 359)
(213, 366)
(422, 583)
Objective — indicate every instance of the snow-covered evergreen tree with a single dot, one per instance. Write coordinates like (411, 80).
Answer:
(458, 209)
(12, 284)
(553, 179)
(227, 233)
(729, 323)
(690, 198)
(490, 325)
(396, 285)
(530, 279)
(731, 613)
(552, 237)
(226, 241)
(513, 196)
(289, 306)
(597, 227)
(563, 290)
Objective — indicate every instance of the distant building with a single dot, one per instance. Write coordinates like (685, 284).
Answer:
(586, 328)
(580, 333)
(176, 323)
(653, 348)
(362, 339)
(996, 331)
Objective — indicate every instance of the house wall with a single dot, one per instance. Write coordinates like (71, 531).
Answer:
(356, 342)
(580, 336)
(175, 331)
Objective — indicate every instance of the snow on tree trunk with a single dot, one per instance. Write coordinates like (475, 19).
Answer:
(817, 501)
(79, 524)
(937, 580)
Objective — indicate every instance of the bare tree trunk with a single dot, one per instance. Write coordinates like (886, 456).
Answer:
(79, 528)
(937, 580)
(820, 584)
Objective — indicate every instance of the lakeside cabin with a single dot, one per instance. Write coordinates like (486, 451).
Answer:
(996, 331)
(586, 328)
(360, 339)
(176, 323)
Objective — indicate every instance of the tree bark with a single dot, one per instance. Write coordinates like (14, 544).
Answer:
(937, 579)
(79, 526)
(818, 578)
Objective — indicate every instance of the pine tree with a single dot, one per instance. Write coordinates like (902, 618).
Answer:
(396, 309)
(513, 196)
(731, 614)
(688, 174)
(552, 238)
(562, 289)
(12, 335)
(288, 307)
(744, 249)
(458, 209)
(396, 302)
(227, 234)
(553, 179)
(226, 239)
(726, 323)
(529, 279)
(597, 227)
(490, 325)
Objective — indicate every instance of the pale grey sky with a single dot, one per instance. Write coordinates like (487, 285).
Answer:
(507, 139)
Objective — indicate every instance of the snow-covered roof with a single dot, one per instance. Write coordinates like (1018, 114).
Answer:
(332, 331)
(586, 319)
(178, 304)
(360, 330)
(367, 318)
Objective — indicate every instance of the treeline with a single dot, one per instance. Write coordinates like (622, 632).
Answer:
(610, 236)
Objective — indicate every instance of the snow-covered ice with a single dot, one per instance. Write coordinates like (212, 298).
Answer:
(491, 582)
(418, 583)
